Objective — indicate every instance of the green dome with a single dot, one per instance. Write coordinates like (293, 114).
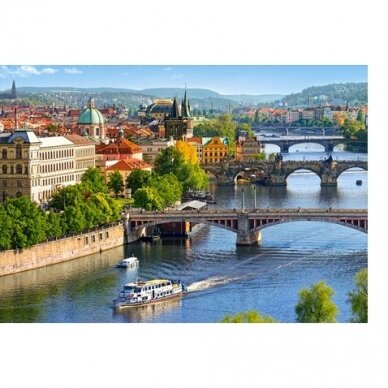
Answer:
(91, 115)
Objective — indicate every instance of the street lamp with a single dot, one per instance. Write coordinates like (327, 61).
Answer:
(254, 188)
(243, 202)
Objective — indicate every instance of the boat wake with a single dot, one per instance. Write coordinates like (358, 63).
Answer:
(211, 282)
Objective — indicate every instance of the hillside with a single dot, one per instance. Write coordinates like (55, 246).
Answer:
(355, 94)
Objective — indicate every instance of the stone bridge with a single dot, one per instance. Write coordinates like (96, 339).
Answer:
(276, 173)
(285, 142)
(246, 223)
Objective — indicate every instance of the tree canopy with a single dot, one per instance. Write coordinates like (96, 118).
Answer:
(168, 160)
(315, 304)
(250, 316)
(116, 183)
(358, 298)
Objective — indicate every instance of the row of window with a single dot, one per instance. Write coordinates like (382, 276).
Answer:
(18, 170)
(57, 180)
(84, 152)
(56, 167)
(18, 184)
(49, 155)
(221, 153)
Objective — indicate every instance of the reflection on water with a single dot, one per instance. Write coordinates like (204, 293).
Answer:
(148, 312)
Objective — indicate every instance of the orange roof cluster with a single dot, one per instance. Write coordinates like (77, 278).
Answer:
(121, 147)
(129, 164)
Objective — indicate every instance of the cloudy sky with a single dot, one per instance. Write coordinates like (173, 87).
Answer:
(223, 79)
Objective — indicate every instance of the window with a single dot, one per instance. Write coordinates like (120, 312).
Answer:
(18, 151)
(93, 238)
(100, 236)
(4, 154)
(86, 240)
(19, 169)
(106, 234)
(19, 184)
(4, 168)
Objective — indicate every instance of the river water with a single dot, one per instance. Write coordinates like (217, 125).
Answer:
(222, 278)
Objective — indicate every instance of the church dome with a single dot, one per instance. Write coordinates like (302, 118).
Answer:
(91, 115)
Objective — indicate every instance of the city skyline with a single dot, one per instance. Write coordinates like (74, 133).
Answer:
(224, 79)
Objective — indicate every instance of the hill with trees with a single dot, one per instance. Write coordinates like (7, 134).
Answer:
(355, 94)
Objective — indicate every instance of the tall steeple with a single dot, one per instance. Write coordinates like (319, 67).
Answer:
(175, 109)
(13, 90)
(185, 106)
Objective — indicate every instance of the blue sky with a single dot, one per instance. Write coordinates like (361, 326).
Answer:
(224, 79)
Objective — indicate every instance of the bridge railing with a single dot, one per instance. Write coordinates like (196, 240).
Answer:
(283, 211)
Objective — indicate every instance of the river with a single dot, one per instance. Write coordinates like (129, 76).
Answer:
(222, 278)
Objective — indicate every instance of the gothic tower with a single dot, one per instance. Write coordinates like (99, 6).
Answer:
(13, 90)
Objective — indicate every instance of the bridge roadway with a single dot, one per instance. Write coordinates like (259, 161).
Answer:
(276, 173)
(247, 223)
(285, 142)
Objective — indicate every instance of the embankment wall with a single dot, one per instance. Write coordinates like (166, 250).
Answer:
(60, 250)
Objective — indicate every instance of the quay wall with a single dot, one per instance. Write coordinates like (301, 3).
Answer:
(60, 250)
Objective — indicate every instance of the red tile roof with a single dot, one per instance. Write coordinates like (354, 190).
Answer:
(128, 165)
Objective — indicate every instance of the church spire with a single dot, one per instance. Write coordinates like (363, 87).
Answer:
(185, 106)
(175, 109)
(13, 90)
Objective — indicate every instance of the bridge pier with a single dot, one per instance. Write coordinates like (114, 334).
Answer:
(245, 236)
(328, 179)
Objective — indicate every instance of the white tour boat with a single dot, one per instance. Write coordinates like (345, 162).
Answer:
(129, 262)
(147, 292)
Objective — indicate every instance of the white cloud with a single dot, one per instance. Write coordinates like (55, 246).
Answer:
(25, 71)
(72, 70)
(169, 68)
(177, 76)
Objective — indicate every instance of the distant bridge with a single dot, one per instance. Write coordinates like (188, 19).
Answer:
(247, 223)
(285, 142)
(276, 173)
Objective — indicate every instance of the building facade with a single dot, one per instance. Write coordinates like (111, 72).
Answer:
(214, 150)
(38, 166)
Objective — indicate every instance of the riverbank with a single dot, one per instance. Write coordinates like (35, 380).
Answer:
(60, 250)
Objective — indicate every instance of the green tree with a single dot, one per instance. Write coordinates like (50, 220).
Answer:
(53, 226)
(168, 160)
(30, 226)
(148, 198)
(358, 298)
(73, 219)
(94, 180)
(260, 156)
(315, 304)
(6, 227)
(169, 188)
(192, 177)
(137, 179)
(116, 183)
(245, 127)
(250, 316)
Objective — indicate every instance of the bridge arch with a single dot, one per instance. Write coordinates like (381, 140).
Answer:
(346, 224)
(180, 219)
(324, 148)
(303, 168)
(346, 168)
